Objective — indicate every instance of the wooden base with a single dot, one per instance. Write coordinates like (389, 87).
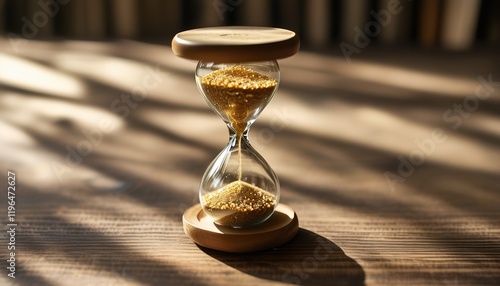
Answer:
(278, 229)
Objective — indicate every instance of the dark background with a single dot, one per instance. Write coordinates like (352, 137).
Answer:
(322, 24)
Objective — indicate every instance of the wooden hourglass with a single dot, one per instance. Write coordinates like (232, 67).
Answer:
(238, 74)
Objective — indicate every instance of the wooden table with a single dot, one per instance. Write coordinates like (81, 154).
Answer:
(391, 162)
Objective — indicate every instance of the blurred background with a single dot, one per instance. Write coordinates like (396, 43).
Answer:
(322, 24)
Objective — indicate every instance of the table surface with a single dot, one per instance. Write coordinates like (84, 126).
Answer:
(391, 162)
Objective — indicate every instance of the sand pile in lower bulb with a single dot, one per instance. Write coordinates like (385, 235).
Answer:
(239, 204)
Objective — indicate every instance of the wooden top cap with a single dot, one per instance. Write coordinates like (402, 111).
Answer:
(235, 44)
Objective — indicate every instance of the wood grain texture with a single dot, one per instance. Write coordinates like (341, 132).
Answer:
(114, 216)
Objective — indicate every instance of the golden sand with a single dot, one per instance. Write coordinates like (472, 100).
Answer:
(239, 204)
(237, 91)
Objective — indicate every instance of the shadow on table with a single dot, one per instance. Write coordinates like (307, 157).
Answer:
(308, 259)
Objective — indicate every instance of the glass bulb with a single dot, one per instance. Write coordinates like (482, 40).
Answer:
(239, 188)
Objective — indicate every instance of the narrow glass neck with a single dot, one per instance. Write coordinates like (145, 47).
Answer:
(233, 136)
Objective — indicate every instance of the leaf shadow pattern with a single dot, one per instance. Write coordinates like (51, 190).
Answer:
(308, 259)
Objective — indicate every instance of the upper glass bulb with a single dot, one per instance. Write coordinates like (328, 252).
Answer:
(238, 92)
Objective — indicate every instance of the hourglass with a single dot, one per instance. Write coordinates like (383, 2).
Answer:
(238, 74)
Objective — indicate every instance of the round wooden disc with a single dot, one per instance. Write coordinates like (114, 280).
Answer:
(235, 44)
(278, 229)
